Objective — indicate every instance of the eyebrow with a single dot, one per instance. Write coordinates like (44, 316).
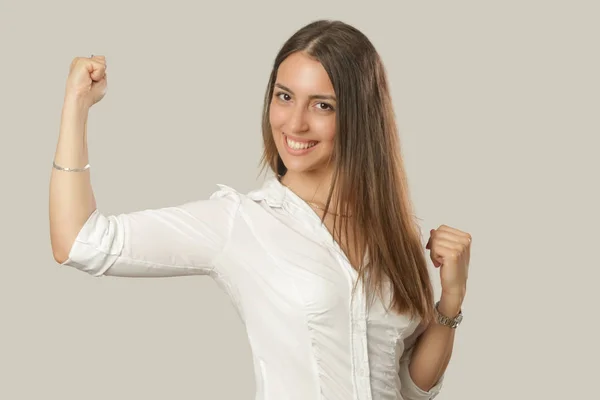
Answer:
(312, 96)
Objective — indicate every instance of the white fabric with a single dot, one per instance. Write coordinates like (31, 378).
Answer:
(288, 279)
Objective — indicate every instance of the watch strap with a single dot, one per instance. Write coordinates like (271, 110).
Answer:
(448, 321)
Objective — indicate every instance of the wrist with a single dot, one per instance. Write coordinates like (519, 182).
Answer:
(450, 306)
(454, 294)
(73, 101)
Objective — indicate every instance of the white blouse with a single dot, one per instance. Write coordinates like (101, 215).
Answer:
(288, 279)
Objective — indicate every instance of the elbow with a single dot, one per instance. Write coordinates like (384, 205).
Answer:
(60, 249)
(63, 236)
(60, 254)
(60, 257)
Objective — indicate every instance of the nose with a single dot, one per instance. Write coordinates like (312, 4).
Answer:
(297, 120)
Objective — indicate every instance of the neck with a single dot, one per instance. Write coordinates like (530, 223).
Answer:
(310, 186)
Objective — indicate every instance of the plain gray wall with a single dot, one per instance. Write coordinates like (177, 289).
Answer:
(497, 105)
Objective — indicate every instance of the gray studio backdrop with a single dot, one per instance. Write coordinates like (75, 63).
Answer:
(497, 104)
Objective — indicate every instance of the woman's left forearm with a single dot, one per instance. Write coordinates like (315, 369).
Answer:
(433, 349)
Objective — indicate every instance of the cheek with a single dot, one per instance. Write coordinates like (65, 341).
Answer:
(276, 116)
(326, 128)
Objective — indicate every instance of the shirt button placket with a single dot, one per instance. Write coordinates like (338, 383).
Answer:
(358, 337)
(360, 347)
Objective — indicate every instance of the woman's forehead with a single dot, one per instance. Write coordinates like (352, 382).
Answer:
(304, 76)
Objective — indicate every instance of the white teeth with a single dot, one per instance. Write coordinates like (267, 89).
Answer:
(299, 145)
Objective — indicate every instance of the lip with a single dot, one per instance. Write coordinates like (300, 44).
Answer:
(300, 140)
(297, 152)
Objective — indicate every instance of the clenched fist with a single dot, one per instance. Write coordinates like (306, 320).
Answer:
(87, 79)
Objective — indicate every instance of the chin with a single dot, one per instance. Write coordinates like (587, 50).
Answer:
(302, 166)
(297, 166)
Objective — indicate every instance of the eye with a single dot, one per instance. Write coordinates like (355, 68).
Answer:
(327, 106)
(279, 94)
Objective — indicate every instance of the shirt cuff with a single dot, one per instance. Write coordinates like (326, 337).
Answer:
(94, 251)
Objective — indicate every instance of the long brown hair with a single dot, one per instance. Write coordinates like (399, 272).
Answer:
(369, 172)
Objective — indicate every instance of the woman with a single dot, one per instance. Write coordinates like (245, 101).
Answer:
(324, 262)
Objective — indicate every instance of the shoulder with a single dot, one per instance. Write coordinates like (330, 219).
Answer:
(223, 202)
(269, 191)
(232, 198)
(227, 193)
(227, 200)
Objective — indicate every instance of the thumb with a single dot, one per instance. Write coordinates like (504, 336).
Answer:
(428, 245)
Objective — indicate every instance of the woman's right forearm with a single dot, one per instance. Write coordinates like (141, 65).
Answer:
(71, 196)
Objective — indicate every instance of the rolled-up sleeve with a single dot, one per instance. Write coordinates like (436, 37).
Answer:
(409, 389)
(171, 241)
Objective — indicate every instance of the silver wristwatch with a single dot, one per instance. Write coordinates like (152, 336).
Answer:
(447, 321)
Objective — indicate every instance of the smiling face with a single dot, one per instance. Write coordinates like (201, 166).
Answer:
(302, 115)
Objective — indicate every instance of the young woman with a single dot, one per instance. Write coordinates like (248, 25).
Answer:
(324, 262)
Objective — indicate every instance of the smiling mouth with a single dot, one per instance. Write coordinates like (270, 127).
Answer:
(299, 145)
